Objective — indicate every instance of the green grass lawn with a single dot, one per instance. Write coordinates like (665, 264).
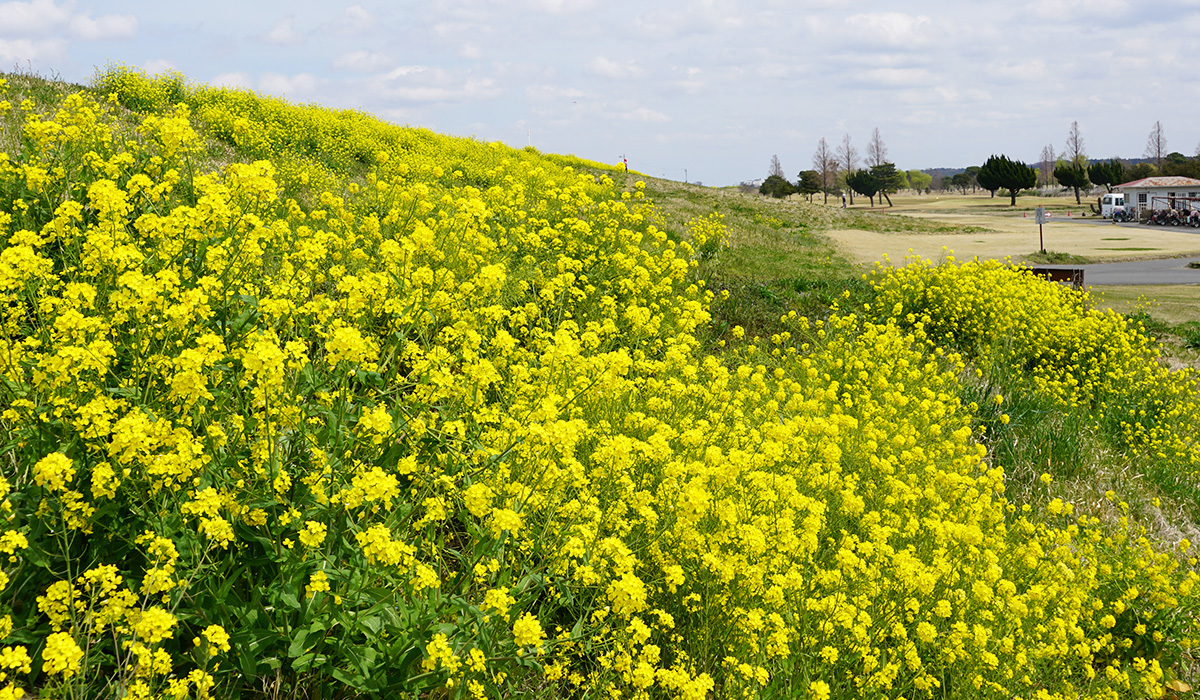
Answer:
(1173, 303)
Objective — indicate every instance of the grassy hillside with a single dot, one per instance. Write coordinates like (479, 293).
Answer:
(298, 403)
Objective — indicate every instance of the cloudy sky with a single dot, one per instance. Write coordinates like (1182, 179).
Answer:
(707, 89)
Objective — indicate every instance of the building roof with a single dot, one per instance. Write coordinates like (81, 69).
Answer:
(1168, 181)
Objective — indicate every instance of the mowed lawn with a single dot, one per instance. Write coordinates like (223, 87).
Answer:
(996, 230)
(1173, 303)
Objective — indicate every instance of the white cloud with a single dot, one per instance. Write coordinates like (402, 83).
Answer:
(398, 116)
(777, 70)
(283, 33)
(22, 50)
(401, 71)
(468, 90)
(892, 28)
(897, 77)
(44, 18)
(433, 85)
(644, 114)
(692, 82)
(363, 61)
(354, 20)
(105, 27)
(297, 85)
(560, 7)
(708, 18)
(922, 117)
(557, 105)
(1033, 69)
(1092, 11)
(545, 93)
(232, 80)
(465, 35)
(948, 94)
(613, 69)
(31, 18)
(158, 65)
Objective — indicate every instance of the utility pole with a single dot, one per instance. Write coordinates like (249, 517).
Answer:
(685, 176)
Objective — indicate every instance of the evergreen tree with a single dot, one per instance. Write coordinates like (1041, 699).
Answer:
(777, 186)
(1073, 175)
(1178, 164)
(1000, 172)
(889, 179)
(810, 183)
(864, 183)
(1141, 170)
(1108, 174)
(988, 177)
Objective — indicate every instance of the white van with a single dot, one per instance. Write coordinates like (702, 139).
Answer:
(1111, 201)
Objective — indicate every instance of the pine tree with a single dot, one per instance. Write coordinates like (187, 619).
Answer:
(1000, 172)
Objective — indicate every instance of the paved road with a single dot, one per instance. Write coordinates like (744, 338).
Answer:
(1171, 271)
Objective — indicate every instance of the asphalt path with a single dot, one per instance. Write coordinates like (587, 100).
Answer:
(1168, 271)
(1164, 271)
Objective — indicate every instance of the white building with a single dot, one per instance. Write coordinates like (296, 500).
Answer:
(1170, 192)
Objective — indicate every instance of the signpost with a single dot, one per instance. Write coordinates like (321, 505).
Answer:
(1040, 216)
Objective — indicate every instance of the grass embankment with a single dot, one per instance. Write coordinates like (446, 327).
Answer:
(777, 256)
(303, 404)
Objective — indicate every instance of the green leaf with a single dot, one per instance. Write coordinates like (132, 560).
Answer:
(309, 660)
(289, 599)
(371, 624)
(251, 645)
(222, 591)
(351, 680)
(249, 664)
(305, 638)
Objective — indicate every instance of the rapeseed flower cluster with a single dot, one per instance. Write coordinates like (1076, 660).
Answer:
(1008, 320)
(387, 411)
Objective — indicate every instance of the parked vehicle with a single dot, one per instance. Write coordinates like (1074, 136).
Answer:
(1110, 202)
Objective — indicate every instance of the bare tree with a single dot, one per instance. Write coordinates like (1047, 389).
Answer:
(1156, 145)
(1047, 165)
(847, 159)
(876, 149)
(776, 168)
(826, 165)
(1075, 153)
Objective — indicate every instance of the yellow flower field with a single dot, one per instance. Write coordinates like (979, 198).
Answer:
(299, 403)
